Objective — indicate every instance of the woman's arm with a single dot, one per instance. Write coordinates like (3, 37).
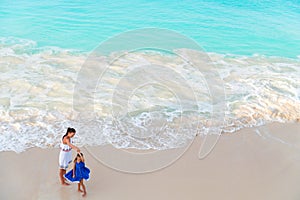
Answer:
(71, 145)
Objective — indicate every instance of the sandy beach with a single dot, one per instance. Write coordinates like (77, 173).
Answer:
(243, 165)
(144, 89)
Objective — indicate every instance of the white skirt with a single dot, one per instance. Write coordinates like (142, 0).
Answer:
(65, 158)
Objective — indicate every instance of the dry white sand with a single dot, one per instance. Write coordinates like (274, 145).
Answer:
(243, 165)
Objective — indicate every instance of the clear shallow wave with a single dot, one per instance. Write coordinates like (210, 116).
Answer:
(37, 84)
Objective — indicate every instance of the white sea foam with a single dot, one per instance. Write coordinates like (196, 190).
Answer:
(37, 85)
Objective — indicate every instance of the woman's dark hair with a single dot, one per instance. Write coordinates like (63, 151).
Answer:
(69, 130)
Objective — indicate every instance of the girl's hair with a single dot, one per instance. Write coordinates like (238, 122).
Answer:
(69, 130)
(78, 156)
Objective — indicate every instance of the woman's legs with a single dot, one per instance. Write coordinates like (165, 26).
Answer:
(83, 187)
(62, 172)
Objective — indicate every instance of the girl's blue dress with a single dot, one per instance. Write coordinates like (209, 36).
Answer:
(81, 172)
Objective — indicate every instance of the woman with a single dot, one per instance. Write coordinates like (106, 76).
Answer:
(65, 155)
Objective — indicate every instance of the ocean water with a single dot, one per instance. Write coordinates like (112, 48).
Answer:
(253, 45)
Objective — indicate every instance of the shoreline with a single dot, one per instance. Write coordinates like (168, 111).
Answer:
(243, 165)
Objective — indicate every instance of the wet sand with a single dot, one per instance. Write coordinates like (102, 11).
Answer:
(254, 163)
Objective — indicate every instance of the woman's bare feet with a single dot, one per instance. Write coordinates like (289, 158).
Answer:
(84, 194)
(64, 183)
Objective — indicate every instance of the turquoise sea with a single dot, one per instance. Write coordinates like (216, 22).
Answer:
(253, 45)
(244, 27)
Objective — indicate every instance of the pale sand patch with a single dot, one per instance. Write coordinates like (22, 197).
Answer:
(243, 165)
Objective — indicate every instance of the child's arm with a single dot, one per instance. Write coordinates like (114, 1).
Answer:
(82, 159)
(74, 169)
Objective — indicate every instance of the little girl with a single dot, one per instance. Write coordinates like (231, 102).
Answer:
(78, 173)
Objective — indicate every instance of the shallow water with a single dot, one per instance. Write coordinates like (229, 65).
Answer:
(37, 98)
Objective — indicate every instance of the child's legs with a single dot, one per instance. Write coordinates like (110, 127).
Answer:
(83, 186)
(79, 187)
